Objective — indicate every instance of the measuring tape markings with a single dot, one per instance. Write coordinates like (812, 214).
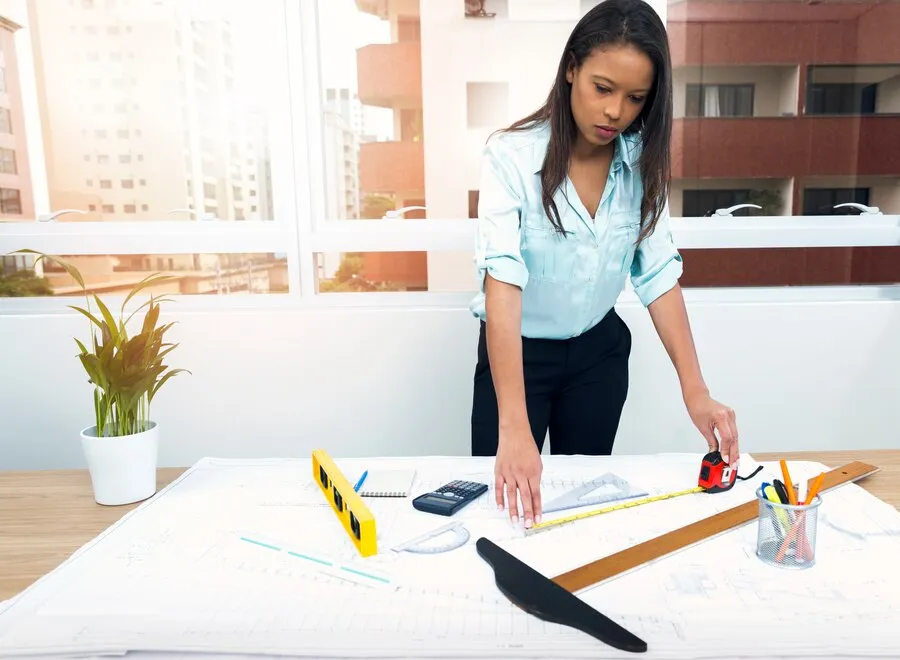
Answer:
(615, 507)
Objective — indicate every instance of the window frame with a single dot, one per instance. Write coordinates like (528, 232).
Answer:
(301, 230)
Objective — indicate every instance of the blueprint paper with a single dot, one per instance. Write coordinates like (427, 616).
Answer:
(226, 560)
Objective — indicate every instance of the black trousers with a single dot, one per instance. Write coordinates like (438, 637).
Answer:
(575, 387)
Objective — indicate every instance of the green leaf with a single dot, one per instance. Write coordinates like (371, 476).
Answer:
(108, 317)
(69, 268)
(145, 304)
(126, 373)
(150, 319)
(144, 283)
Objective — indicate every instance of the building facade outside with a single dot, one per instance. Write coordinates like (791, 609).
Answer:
(794, 107)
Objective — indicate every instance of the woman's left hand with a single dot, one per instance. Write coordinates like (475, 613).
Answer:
(710, 416)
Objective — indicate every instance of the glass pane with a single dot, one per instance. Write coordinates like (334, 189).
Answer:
(773, 108)
(359, 272)
(372, 110)
(791, 266)
(145, 110)
(201, 274)
(404, 122)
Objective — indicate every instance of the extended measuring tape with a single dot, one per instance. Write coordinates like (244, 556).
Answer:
(716, 476)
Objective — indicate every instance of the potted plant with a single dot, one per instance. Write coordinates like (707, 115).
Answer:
(126, 372)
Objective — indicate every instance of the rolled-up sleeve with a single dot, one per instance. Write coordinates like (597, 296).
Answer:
(657, 265)
(499, 208)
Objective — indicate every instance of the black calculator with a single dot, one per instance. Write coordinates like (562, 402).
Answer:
(449, 498)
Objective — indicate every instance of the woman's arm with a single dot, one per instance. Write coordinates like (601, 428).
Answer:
(670, 319)
(518, 464)
(503, 311)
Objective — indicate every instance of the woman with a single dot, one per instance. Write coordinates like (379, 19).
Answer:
(573, 200)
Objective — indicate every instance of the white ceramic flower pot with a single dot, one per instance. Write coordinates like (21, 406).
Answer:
(123, 468)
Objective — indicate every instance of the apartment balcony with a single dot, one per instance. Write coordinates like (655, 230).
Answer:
(391, 167)
(386, 9)
(783, 147)
(744, 33)
(377, 8)
(390, 75)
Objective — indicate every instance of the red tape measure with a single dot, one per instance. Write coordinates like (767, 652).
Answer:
(717, 476)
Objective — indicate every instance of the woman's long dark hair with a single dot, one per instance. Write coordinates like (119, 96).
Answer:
(612, 22)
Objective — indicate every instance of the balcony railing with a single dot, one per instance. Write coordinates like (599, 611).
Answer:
(390, 75)
(783, 147)
(391, 167)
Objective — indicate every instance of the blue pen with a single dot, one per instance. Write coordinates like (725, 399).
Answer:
(361, 480)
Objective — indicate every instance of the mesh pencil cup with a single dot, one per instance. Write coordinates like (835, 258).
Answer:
(786, 534)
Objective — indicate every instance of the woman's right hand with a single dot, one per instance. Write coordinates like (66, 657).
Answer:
(517, 470)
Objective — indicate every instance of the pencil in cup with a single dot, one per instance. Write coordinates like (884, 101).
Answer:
(786, 533)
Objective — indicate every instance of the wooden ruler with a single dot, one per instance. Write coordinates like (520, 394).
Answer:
(683, 537)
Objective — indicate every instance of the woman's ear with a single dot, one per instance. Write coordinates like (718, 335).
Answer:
(570, 70)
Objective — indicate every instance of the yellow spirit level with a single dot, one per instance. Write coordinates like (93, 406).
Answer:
(349, 507)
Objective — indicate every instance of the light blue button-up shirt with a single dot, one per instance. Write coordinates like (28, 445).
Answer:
(568, 283)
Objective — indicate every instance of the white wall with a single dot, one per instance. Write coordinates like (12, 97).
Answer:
(887, 100)
(526, 62)
(822, 375)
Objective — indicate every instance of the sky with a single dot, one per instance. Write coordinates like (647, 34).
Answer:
(344, 29)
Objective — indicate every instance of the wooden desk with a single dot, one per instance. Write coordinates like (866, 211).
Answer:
(47, 515)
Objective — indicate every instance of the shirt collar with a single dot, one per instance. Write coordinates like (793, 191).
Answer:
(627, 150)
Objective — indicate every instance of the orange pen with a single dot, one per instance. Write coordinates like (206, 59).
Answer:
(788, 484)
(814, 489)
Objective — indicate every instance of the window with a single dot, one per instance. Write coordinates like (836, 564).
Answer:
(840, 99)
(698, 203)
(5, 121)
(388, 124)
(719, 100)
(8, 161)
(776, 149)
(10, 201)
(825, 201)
(845, 89)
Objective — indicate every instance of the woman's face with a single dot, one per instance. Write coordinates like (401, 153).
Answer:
(609, 91)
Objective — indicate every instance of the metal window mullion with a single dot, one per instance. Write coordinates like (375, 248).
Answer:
(786, 231)
(281, 145)
(113, 238)
(305, 104)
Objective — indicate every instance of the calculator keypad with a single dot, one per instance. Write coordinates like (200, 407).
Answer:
(459, 489)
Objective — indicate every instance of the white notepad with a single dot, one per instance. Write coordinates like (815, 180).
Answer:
(388, 483)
